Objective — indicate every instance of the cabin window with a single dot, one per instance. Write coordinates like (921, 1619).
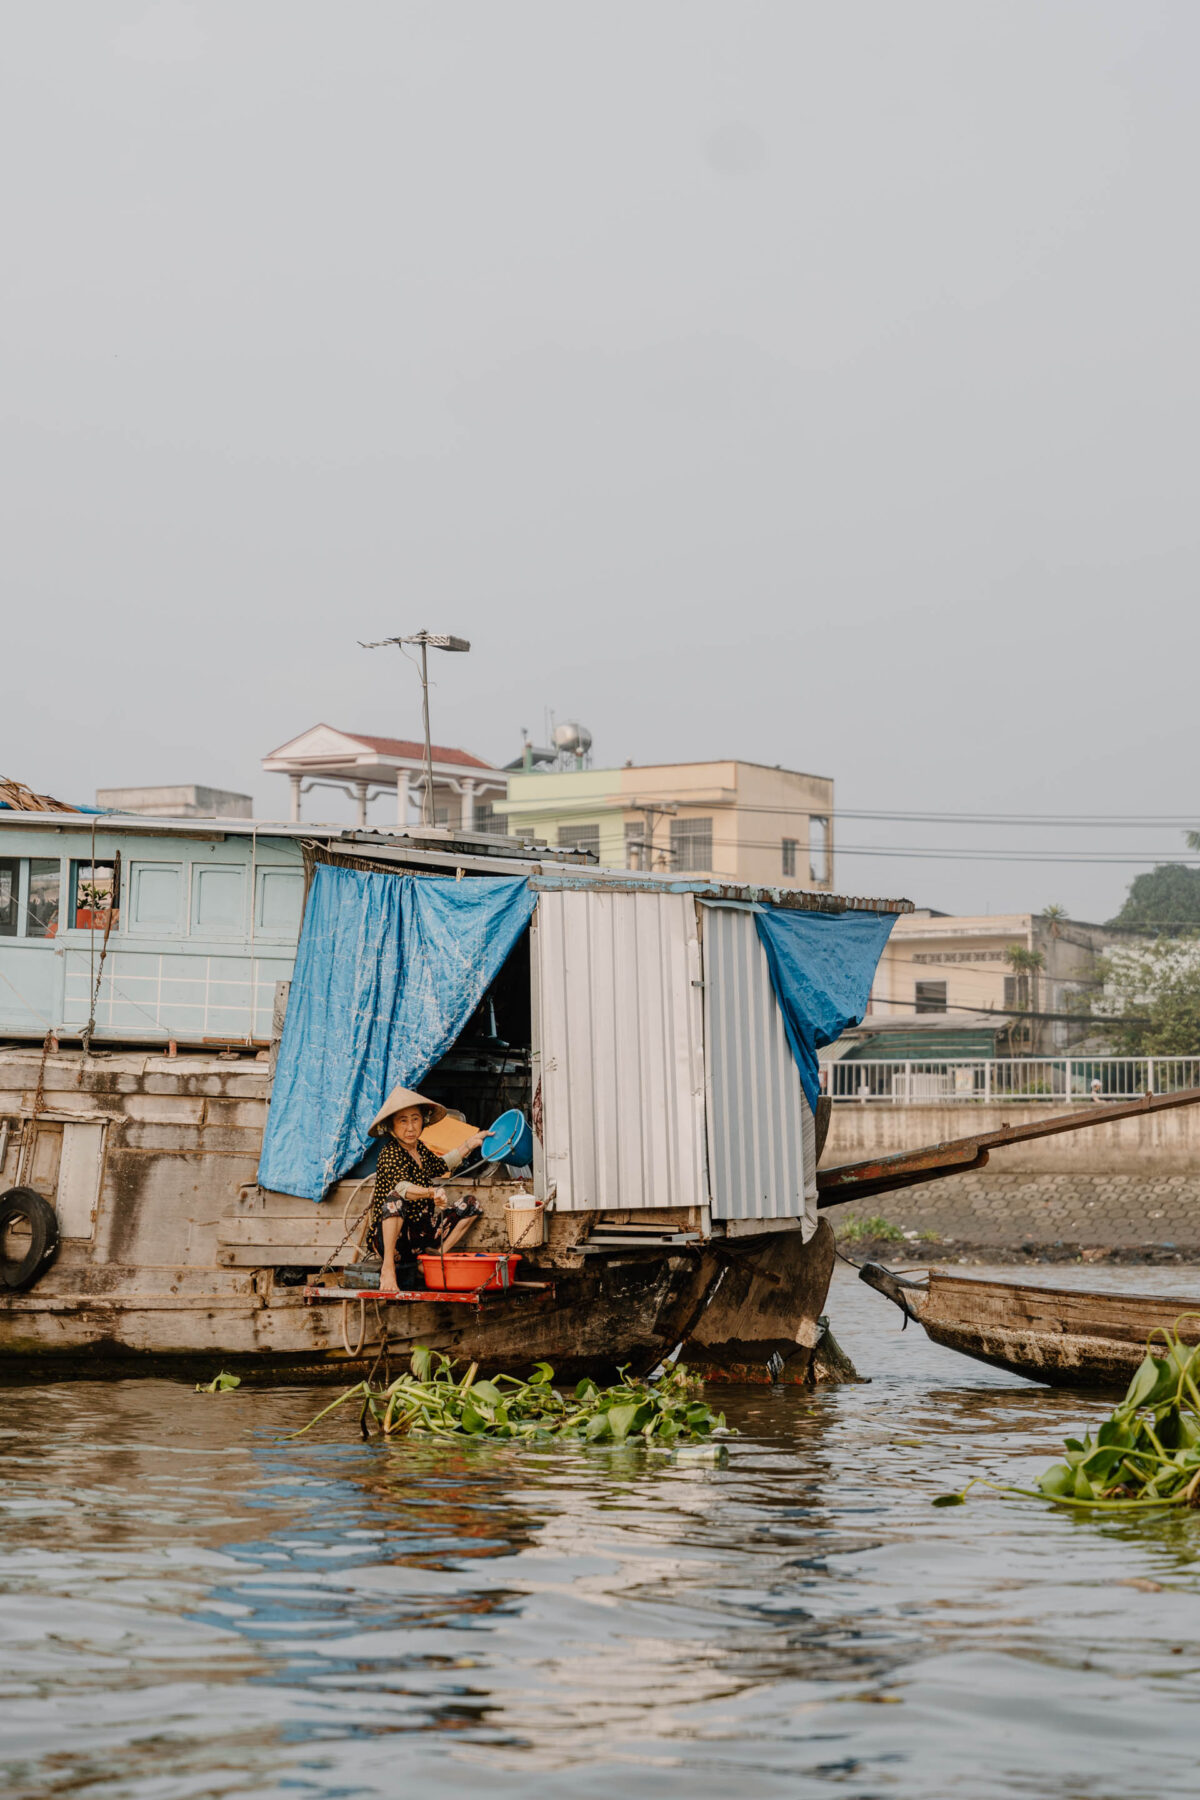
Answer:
(691, 844)
(155, 895)
(29, 896)
(219, 899)
(931, 996)
(279, 902)
(790, 846)
(41, 908)
(10, 895)
(96, 896)
(818, 849)
(580, 837)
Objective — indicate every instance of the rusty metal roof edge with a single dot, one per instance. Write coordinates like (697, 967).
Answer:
(798, 899)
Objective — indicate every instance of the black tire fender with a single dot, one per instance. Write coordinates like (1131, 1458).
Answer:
(26, 1203)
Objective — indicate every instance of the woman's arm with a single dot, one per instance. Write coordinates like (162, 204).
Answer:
(453, 1158)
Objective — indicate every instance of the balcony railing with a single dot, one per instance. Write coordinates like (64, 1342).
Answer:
(1061, 1079)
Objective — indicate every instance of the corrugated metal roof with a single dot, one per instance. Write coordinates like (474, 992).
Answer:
(708, 887)
(619, 1049)
(761, 1135)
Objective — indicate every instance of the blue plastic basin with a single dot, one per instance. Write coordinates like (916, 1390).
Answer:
(510, 1140)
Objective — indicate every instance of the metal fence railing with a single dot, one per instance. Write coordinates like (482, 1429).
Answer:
(1058, 1078)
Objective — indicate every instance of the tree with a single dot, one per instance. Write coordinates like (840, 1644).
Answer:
(1055, 916)
(1165, 900)
(1025, 965)
(1158, 983)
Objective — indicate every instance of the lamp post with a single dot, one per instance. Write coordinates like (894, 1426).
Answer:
(426, 640)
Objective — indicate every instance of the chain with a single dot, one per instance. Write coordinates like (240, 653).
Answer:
(39, 1098)
(334, 1254)
(90, 1027)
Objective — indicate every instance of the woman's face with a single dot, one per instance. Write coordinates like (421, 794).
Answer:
(407, 1126)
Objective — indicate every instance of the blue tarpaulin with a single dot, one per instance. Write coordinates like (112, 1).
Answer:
(388, 971)
(822, 966)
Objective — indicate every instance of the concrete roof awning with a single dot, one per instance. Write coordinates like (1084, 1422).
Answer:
(359, 763)
(367, 758)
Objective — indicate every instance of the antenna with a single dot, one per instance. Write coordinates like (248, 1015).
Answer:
(426, 640)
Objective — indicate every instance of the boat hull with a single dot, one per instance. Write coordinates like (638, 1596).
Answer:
(1060, 1336)
(741, 1314)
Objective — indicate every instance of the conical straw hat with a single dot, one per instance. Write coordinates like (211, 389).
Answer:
(396, 1102)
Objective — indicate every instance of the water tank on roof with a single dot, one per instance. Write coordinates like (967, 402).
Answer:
(572, 739)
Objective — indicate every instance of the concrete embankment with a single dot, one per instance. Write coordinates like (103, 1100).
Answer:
(1126, 1191)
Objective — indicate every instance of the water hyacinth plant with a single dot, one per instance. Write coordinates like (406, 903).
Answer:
(1146, 1453)
(431, 1401)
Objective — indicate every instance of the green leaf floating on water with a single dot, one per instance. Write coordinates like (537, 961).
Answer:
(219, 1384)
(1145, 1454)
(432, 1401)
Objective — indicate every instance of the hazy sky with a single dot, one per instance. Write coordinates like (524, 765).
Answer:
(813, 383)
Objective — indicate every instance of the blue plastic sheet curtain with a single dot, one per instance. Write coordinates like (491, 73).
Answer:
(388, 971)
(822, 966)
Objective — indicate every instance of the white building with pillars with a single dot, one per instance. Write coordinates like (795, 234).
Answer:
(464, 786)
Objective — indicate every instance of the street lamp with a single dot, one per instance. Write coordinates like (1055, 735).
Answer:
(427, 640)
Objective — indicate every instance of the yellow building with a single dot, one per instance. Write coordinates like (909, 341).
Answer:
(739, 821)
(938, 963)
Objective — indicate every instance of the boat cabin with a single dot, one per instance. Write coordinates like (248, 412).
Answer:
(161, 983)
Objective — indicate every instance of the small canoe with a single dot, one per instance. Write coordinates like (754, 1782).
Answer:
(1066, 1337)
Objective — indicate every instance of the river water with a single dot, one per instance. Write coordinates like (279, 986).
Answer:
(194, 1606)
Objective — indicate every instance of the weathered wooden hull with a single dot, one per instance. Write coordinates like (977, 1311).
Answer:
(173, 1260)
(744, 1314)
(1064, 1337)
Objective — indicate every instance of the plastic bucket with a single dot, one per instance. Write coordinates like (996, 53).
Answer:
(510, 1140)
(460, 1271)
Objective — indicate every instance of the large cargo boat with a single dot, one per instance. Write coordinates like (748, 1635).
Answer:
(155, 1023)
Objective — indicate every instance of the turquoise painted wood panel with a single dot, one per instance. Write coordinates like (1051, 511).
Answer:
(186, 957)
(155, 903)
(219, 900)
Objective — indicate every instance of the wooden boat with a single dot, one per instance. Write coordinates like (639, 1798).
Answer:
(172, 1260)
(1065, 1337)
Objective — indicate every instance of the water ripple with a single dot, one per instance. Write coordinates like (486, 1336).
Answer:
(196, 1607)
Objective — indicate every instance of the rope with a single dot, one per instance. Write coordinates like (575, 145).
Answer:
(362, 1329)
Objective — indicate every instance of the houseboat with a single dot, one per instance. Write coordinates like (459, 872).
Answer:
(199, 1018)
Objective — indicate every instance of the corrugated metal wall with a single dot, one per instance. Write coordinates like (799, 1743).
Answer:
(620, 1048)
(761, 1139)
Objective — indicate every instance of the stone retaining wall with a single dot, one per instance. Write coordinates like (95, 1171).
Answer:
(1072, 1213)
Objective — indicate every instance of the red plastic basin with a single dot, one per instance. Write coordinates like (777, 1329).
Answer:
(460, 1270)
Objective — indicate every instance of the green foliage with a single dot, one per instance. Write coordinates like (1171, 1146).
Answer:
(1166, 899)
(875, 1229)
(220, 1384)
(1146, 1453)
(432, 1402)
(1158, 983)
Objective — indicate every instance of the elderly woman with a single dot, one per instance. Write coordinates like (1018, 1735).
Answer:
(408, 1197)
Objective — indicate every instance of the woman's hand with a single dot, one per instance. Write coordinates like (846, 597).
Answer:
(473, 1143)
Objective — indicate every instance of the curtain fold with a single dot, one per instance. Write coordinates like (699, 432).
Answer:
(388, 971)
